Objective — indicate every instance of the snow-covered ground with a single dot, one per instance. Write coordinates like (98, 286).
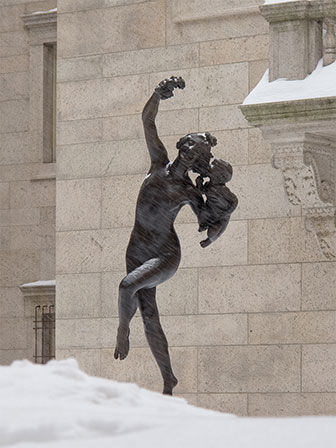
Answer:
(58, 405)
(320, 83)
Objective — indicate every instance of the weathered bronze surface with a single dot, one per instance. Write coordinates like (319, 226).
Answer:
(153, 253)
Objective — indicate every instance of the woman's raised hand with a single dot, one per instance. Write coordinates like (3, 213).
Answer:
(166, 87)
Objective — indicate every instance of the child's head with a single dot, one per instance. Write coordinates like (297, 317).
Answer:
(221, 172)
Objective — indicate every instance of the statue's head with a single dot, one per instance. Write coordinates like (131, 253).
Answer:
(220, 171)
(195, 151)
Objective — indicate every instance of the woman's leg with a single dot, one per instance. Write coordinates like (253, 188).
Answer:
(126, 310)
(148, 275)
(156, 337)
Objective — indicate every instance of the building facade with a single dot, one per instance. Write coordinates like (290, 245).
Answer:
(251, 320)
(27, 170)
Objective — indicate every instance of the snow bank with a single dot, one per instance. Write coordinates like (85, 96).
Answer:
(320, 83)
(59, 402)
(59, 406)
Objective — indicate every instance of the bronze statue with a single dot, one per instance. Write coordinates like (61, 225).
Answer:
(153, 253)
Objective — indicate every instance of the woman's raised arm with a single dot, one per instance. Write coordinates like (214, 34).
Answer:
(157, 150)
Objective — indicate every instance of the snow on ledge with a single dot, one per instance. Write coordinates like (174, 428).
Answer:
(45, 12)
(39, 283)
(271, 2)
(319, 84)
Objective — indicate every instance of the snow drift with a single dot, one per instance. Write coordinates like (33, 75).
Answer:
(58, 405)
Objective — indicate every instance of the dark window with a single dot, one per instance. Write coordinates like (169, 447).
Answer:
(44, 328)
(49, 102)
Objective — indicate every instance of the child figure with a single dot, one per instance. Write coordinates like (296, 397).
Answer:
(220, 203)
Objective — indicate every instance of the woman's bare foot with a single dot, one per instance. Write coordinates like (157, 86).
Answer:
(122, 347)
(169, 386)
(205, 243)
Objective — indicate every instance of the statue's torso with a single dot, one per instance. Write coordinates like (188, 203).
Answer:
(160, 199)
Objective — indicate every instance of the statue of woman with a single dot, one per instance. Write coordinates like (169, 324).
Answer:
(153, 253)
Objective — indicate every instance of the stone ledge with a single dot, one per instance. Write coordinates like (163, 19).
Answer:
(302, 9)
(40, 19)
(41, 288)
(299, 110)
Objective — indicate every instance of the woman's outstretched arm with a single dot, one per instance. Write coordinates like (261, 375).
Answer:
(157, 150)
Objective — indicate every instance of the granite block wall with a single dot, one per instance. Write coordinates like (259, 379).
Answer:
(251, 319)
(27, 186)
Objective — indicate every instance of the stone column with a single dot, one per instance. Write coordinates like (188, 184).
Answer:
(330, 42)
(295, 39)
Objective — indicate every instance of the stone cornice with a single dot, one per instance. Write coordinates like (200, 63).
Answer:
(36, 290)
(299, 110)
(285, 11)
(40, 19)
(303, 9)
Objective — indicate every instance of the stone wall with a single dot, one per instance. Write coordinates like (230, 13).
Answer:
(251, 319)
(27, 204)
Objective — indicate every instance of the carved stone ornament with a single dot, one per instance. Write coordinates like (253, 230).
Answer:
(308, 170)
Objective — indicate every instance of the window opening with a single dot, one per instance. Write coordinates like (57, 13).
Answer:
(44, 330)
(49, 102)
